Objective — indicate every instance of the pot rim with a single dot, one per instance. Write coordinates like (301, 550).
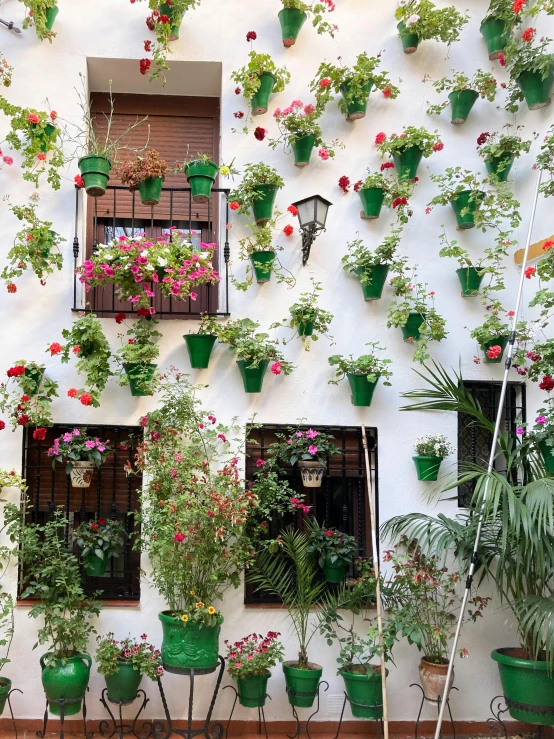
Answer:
(505, 659)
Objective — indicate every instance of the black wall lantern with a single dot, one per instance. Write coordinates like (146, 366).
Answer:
(312, 216)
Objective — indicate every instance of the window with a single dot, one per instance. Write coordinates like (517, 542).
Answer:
(112, 494)
(474, 442)
(341, 502)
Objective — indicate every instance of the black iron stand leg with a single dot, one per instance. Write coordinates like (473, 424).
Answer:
(263, 719)
(451, 719)
(191, 699)
(416, 685)
(323, 682)
(14, 690)
(158, 726)
(297, 732)
(217, 728)
(306, 728)
(497, 727)
(102, 726)
(40, 734)
(340, 719)
(62, 718)
(232, 709)
(88, 734)
(141, 709)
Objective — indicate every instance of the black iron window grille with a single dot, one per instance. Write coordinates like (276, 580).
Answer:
(112, 494)
(474, 442)
(340, 503)
(120, 212)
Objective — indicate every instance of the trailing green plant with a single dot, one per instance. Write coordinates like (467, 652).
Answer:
(6, 72)
(489, 263)
(521, 56)
(367, 364)
(298, 121)
(315, 11)
(244, 341)
(330, 544)
(396, 191)
(360, 257)
(253, 655)
(207, 325)
(294, 445)
(136, 171)
(103, 538)
(26, 397)
(306, 311)
(493, 328)
(545, 162)
(503, 146)
(254, 175)
(502, 10)
(422, 17)
(140, 350)
(36, 17)
(144, 657)
(410, 136)
(481, 82)
(249, 76)
(433, 445)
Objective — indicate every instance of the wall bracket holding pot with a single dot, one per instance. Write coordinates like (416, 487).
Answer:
(261, 713)
(378, 722)
(120, 728)
(425, 699)
(62, 703)
(305, 729)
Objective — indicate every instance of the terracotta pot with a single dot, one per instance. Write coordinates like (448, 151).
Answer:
(433, 679)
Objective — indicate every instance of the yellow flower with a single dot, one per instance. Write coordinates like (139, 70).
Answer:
(200, 604)
(211, 610)
(224, 171)
(184, 618)
(192, 592)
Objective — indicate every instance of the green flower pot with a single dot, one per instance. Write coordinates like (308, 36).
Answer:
(95, 171)
(528, 688)
(305, 328)
(5, 687)
(175, 18)
(334, 572)
(461, 103)
(500, 341)
(189, 645)
(362, 389)
(410, 41)
(468, 201)
(68, 682)
(302, 150)
(500, 166)
(302, 684)
(378, 276)
(407, 161)
(95, 566)
(548, 456)
(364, 691)
(263, 206)
(34, 377)
(410, 331)
(252, 690)
(140, 377)
(291, 21)
(200, 349)
(372, 200)
(262, 263)
(535, 89)
(260, 99)
(358, 107)
(123, 686)
(496, 33)
(427, 467)
(51, 14)
(470, 281)
(150, 190)
(252, 377)
(201, 177)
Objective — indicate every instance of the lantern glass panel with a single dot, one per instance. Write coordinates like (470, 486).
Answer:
(321, 212)
(306, 212)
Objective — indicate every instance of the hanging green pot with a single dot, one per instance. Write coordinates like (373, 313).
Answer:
(470, 281)
(95, 171)
(410, 330)
(201, 177)
(5, 687)
(500, 166)
(302, 150)
(252, 377)
(200, 349)
(66, 681)
(358, 107)
(150, 190)
(535, 88)
(364, 690)
(95, 566)
(34, 376)
(262, 263)
(496, 33)
(302, 684)
(124, 684)
(527, 686)
(260, 99)
(427, 467)
(377, 276)
(305, 328)
(362, 389)
(51, 14)
(372, 200)
(500, 341)
(465, 205)
(175, 19)
(189, 644)
(291, 21)
(461, 103)
(335, 572)
(407, 161)
(140, 376)
(410, 41)
(548, 456)
(252, 690)
(263, 206)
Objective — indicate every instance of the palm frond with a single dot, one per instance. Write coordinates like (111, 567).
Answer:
(536, 621)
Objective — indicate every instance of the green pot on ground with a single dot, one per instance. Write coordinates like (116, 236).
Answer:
(302, 684)
(150, 190)
(372, 200)
(175, 18)
(548, 456)
(461, 103)
(95, 566)
(528, 688)
(189, 645)
(263, 206)
(358, 107)
(535, 88)
(427, 467)
(302, 149)
(364, 691)
(410, 41)
(407, 161)
(377, 275)
(335, 572)
(95, 171)
(260, 99)
(51, 14)
(201, 177)
(470, 281)
(465, 205)
(410, 330)
(66, 681)
(500, 166)
(262, 263)
(5, 687)
(500, 341)
(123, 686)
(252, 690)
(199, 347)
(362, 389)
(291, 21)
(140, 376)
(252, 377)
(496, 33)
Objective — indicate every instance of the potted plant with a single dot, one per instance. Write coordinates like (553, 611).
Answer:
(308, 449)
(421, 20)
(201, 173)
(545, 162)
(492, 336)
(294, 14)
(497, 26)
(307, 318)
(260, 253)
(99, 540)
(136, 356)
(250, 660)
(363, 373)
(27, 395)
(354, 83)
(334, 551)
(41, 14)
(254, 352)
(430, 450)
(146, 174)
(531, 69)
(500, 150)
(464, 91)
(259, 79)
(408, 148)
(124, 663)
(82, 454)
(541, 435)
(472, 272)
(257, 190)
(300, 131)
(381, 187)
(372, 268)
(201, 343)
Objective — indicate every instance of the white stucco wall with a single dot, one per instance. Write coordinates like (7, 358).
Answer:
(35, 316)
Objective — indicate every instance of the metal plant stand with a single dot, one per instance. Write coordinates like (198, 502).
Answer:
(261, 714)
(438, 705)
(378, 721)
(62, 703)
(497, 727)
(306, 728)
(119, 727)
(13, 690)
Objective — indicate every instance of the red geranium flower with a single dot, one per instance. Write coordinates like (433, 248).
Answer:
(55, 348)
(79, 181)
(234, 205)
(41, 156)
(32, 118)
(547, 383)
(344, 183)
(16, 371)
(237, 91)
(501, 59)
(11, 287)
(101, 521)
(482, 138)
(2, 425)
(528, 34)
(387, 165)
(72, 392)
(276, 368)
(94, 526)
(548, 244)
(529, 272)
(380, 138)
(39, 434)
(494, 352)
(387, 91)
(25, 398)
(145, 65)
(164, 19)
(143, 312)
(119, 317)
(148, 45)
(518, 6)
(358, 186)
(325, 82)
(293, 210)
(86, 399)
(288, 230)
(251, 36)
(439, 146)
(23, 420)
(238, 114)
(260, 133)
(53, 115)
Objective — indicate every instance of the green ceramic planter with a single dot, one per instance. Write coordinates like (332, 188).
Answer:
(252, 690)
(151, 190)
(189, 645)
(68, 682)
(377, 276)
(5, 687)
(465, 206)
(461, 103)
(201, 177)
(407, 161)
(51, 14)
(305, 328)
(500, 341)
(140, 377)
(175, 18)
(500, 166)
(358, 107)
(362, 389)
(95, 171)
(470, 281)
(427, 467)
(94, 566)
(263, 206)
(528, 688)
(410, 331)
(123, 686)
(262, 263)
(372, 200)
(200, 349)
(302, 684)
(34, 376)
(252, 377)
(535, 89)
(410, 41)
(291, 21)
(548, 456)
(365, 692)
(496, 33)
(260, 100)
(335, 572)
(302, 149)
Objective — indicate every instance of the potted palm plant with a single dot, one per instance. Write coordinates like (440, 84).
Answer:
(99, 540)
(500, 150)
(421, 20)
(295, 13)
(124, 663)
(372, 268)
(307, 319)
(497, 26)
(531, 69)
(146, 174)
(250, 660)
(201, 343)
(82, 454)
(334, 551)
(362, 373)
(257, 190)
(259, 79)
(300, 131)
(464, 92)
(408, 148)
(136, 356)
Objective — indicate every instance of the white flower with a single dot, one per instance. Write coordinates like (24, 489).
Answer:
(162, 261)
(412, 19)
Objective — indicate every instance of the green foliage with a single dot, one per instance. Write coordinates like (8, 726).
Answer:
(258, 64)
(244, 341)
(545, 162)
(305, 311)
(139, 350)
(316, 10)
(36, 16)
(502, 10)
(103, 538)
(522, 56)
(30, 383)
(395, 191)
(481, 82)
(77, 446)
(144, 657)
(490, 263)
(433, 445)
(208, 325)
(361, 257)
(138, 170)
(294, 445)
(492, 328)
(254, 655)
(297, 122)
(410, 136)
(368, 364)
(6, 72)
(255, 174)
(331, 544)
(440, 24)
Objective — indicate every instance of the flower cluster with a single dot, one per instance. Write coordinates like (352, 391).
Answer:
(253, 654)
(298, 121)
(310, 445)
(27, 396)
(77, 446)
(102, 537)
(433, 445)
(144, 657)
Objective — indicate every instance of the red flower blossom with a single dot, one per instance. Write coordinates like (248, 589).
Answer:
(23, 420)
(102, 521)
(399, 201)
(72, 392)
(344, 183)
(387, 165)
(239, 114)
(482, 138)
(380, 138)
(53, 115)
(41, 156)
(528, 34)
(501, 59)
(79, 181)
(251, 36)
(16, 371)
(148, 45)
(143, 312)
(293, 210)
(325, 82)
(76, 348)
(120, 317)
(387, 91)
(529, 272)
(94, 526)
(2, 425)
(11, 287)
(260, 133)
(55, 348)
(164, 19)
(32, 118)
(276, 368)
(358, 185)
(548, 244)
(145, 65)
(39, 434)
(518, 6)
(494, 352)
(237, 91)
(288, 230)
(439, 146)
(547, 383)
(234, 205)
(86, 399)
